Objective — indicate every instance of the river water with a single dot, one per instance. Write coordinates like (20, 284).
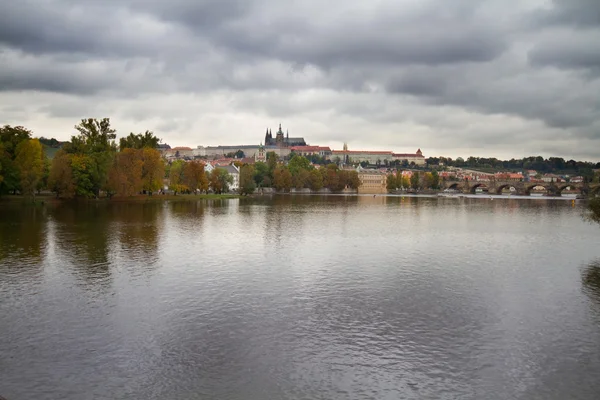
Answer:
(302, 297)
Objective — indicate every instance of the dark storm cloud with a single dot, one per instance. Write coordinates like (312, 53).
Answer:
(487, 58)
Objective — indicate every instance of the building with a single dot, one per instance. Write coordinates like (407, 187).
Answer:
(417, 158)
(372, 181)
(235, 173)
(312, 151)
(179, 152)
(376, 157)
(282, 141)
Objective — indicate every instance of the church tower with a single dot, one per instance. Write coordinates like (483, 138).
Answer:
(279, 138)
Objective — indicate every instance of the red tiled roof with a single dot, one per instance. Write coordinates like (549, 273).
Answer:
(407, 155)
(360, 152)
(309, 148)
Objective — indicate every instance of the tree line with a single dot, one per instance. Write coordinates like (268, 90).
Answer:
(538, 163)
(418, 180)
(298, 173)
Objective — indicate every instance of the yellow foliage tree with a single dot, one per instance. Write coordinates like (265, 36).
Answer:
(60, 180)
(30, 164)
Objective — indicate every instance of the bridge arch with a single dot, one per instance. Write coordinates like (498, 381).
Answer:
(473, 188)
(454, 186)
(573, 186)
(507, 185)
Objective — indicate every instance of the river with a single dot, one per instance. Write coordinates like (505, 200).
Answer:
(300, 297)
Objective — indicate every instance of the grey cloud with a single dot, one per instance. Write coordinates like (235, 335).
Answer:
(273, 56)
(578, 13)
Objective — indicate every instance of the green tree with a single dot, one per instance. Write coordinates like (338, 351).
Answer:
(391, 182)
(30, 165)
(83, 169)
(261, 171)
(60, 179)
(414, 180)
(96, 140)
(139, 141)
(10, 138)
(435, 179)
(298, 163)
(247, 183)
(272, 161)
(220, 180)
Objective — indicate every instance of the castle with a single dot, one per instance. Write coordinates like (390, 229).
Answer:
(280, 141)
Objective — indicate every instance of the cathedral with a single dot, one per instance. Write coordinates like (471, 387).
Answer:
(282, 141)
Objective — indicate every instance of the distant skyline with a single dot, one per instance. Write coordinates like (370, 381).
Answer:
(494, 78)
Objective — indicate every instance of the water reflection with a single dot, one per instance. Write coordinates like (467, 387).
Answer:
(591, 280)
(23, 238)
(84, 240)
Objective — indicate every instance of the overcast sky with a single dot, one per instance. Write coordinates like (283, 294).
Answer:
(504, 78)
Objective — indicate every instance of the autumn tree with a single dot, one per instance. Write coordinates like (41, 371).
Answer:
(60, 179)
(125, 175)
(282, 179)
(194, 176)
(300, 180)
(30, 164)
(427, 180)
(153, 169)
(315, 180)
(247, 183)
(176, 183)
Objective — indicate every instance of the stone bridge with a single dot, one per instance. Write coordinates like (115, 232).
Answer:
(521, 188)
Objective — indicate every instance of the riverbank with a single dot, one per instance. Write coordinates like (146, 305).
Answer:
(50, 198)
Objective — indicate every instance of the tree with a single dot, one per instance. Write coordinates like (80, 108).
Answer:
(414, 180)
(300, 180)
(261, 171)
(391, 182)
(96, 140)
(125, 175)
(282, 179)
(139, 141)
(194, 176)
(315, 180)
(30, 164)
(176, 177)
(219, 180)
(298, 163)
(351, 179)
(594, 209)
(435, 179)
(83, 168)
(60, 179)
(153, 170)
(272, 161)
(247, 183)
(10, 138)
(427, 180)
